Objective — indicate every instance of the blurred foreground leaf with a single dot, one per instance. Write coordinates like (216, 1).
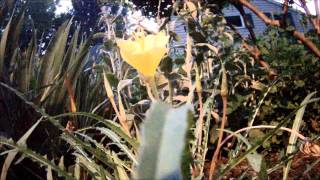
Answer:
(163, 142)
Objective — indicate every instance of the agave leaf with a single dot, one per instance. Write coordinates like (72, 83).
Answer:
(61, 163)
(52, 60)
(76, 66)
(110, 156)
(6, 6)
(77, 170)
(121, 171)
(71, 139)
(73, 73)
(36, 157)
(91, 167)
(12, 51)
(26, 71)
(3, 46)
(293, 137)
(69, 58)
(49, 173)
(100, 151)
(67, 65)
(110, 124)
(94, 91)
(16, 31)
(79, 145)
(163, 141)
(11, 155)
(116, 139)
(123, 83)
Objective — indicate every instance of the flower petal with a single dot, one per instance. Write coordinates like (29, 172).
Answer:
(129, 45)
(144, 63)
(156, 56)
(162, 39)
(145, 52)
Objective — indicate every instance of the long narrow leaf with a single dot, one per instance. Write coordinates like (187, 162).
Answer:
(293, 137)
(11, 155)
(237, 160)
(115, 139)
(110, 124)
(3, 46)
(36, 157)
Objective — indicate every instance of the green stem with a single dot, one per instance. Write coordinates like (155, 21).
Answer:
(152, 84)
(154, 89)
(170, 91)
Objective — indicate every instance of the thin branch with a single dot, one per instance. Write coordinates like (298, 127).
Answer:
(255, 53)
(259, 13)
(298, 35)
(224, 96)
(246, 21)
(285, 11)
(314, 23)
(159, 10)
(317, 8)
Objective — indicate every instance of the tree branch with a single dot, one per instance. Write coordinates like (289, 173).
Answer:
(259, 13)
(255, 53)
(246, 21)
(285, 10)
(298, 35)
(314, 23)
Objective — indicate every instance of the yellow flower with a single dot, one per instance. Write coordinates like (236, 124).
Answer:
(145, 52)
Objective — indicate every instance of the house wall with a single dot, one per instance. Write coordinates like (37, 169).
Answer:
(177, 25)
(267, 6)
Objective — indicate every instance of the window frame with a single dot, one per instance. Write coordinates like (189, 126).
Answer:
(274, 14)
(241, 19)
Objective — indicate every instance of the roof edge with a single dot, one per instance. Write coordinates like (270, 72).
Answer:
(280, 4)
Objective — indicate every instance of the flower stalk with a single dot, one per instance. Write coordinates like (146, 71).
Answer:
(152, 88)
(224, 96)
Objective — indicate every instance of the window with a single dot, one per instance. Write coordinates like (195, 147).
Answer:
(238, 22)
(269, 15)
(235, 20)
(276, 16)
(289, 19)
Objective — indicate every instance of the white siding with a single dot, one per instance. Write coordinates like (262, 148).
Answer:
(178, 26)
(267, 6)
